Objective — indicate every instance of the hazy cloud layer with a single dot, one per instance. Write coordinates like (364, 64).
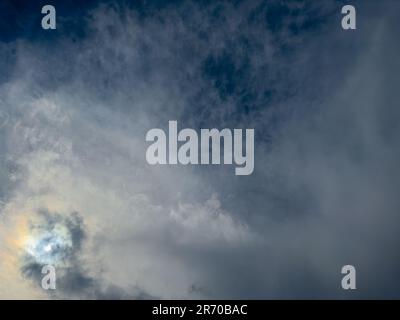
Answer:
(75, 108)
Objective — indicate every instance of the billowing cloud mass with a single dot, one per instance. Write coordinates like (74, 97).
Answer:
(76, 190)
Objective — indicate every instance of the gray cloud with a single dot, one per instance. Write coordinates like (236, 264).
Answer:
(66, 235)
(323, 103)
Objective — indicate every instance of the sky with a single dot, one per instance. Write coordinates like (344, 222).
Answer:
(76, 191)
